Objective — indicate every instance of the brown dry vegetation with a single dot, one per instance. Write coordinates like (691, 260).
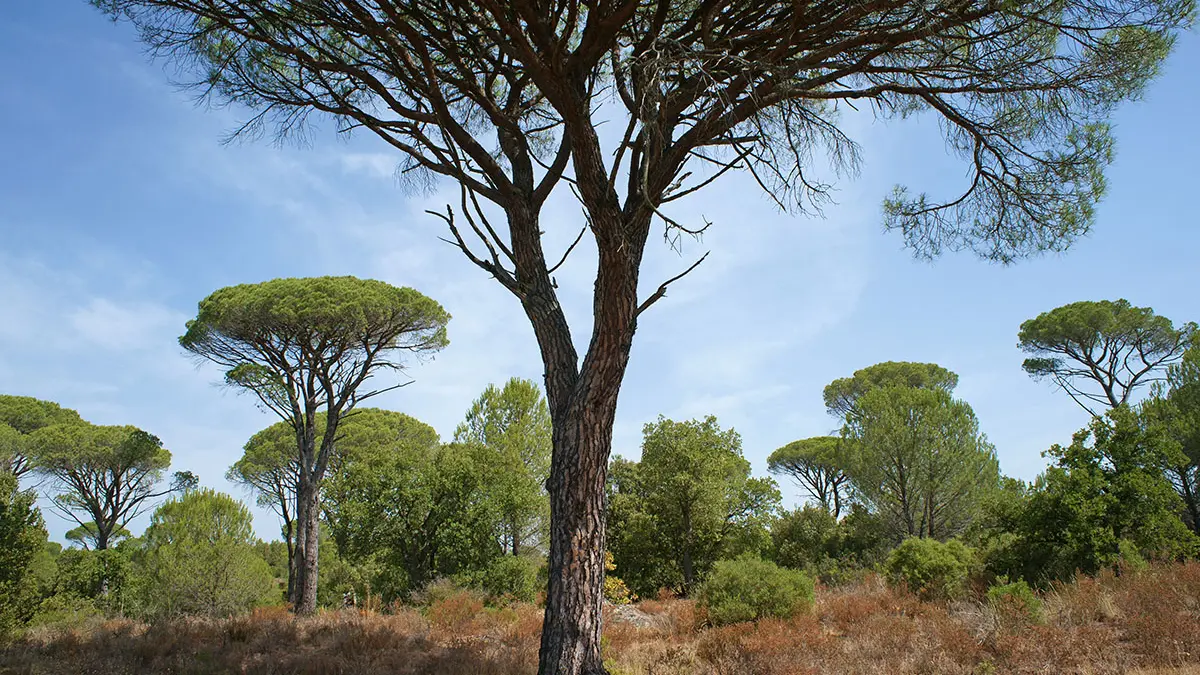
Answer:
(1147, 623)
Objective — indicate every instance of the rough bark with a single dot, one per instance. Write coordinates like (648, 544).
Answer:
(306, 554)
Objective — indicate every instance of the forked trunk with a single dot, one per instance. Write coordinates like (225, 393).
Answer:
(571, 632)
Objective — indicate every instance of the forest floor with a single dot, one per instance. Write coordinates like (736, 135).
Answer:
(1146, 623)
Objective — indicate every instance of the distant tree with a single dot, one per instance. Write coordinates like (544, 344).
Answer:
(309, 346)
(200, 558)
(842, 395)
(697, 503)
(1174, 411)
(22, 536)
(88, 534)
(418, 513)
(805, 537)
(269, 469)
(922, 461)
(20, 416)
(102, 477)
(817, 465)
(1101, 352)
(1104, 494)
(105, 581)
(513, 426)
(505, 99)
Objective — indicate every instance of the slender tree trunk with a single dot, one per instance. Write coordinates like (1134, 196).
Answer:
(689, 569)
(289, 536)
(516, 537)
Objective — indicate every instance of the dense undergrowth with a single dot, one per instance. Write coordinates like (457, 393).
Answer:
(1147, 621)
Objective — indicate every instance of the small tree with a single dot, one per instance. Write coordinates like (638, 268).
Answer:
(22, 536)
(1112, 346)
(102, 477)
(512, 427)
(922, 461)
(20, 416)
(269, 469)
(200, 558)
(1174, 411)
(307, 346)
(419, 513)
(819, 466)
(1105, 491)
(697, 499)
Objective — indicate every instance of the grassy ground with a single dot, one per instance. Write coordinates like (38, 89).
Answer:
(1147, 623)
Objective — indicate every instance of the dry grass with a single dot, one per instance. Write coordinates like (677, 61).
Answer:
(1147, 623)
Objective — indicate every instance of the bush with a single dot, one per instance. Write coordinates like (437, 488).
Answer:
(931, 569)
(1016, 599)
(507, 578)
(67, 611)
(748, 589)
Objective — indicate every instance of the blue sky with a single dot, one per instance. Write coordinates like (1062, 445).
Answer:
(120, 209)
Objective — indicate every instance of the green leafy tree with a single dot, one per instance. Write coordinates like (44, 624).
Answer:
(819, 466)
(843, 394)
(697, 503)
(269, 469)
(1101, 352)
(416, 513)
(1174, 411)
(505, 100)
(22, 537)
(99, 581)
(20, 416)
(102, 477)
(512, 426)
(200, 558)
(309, 346)
(921, 460)
(1104, 489)
(810, 538)
(805, 538)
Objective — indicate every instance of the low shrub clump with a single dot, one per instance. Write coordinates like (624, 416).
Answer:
(748, 589)
(932, 569)
(1015, 600)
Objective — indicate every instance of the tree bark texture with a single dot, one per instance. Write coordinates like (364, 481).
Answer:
(307, 516)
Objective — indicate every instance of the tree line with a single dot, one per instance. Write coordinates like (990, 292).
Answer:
(397, 509)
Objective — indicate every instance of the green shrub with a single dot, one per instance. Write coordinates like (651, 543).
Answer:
(1015, 599)
(506, 578)
(748, 589)
(66, 611)
(931, 569)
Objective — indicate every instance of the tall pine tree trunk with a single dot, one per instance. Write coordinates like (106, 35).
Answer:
(307, 514)
(571, 632)
(583, 406)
